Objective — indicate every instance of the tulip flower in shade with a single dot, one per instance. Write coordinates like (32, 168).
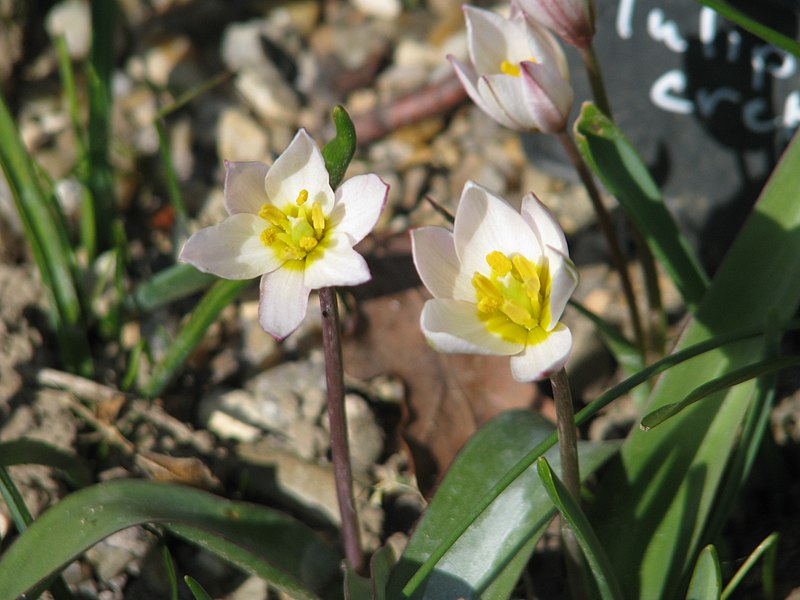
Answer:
(571, 20)
(518, 73)
(288, 226)
(500, 282)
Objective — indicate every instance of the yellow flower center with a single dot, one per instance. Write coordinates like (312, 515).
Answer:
(514, 299)
(513, 69)
(295, 231)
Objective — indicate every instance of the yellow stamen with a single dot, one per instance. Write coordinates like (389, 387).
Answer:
(274, 215)
(268, 236)
(302, 197)
(518, 313)
(317, 218)
(308, 243)
(499, 263)
(485, 287)
(509, 68)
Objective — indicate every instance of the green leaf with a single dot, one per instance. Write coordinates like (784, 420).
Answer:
(167, 286)
(596, 557)
(654, 503)
(172, 577)
(48, 239)
(615, 161)
(623, 350)
(723, 382)
(340, 150)
(381, 565)
(743, 20)
(222, 293)
(197, 590)
(520, 513)
(36, 452)
(255, 538)
(768, 548)
(356, 587)
(706, 581)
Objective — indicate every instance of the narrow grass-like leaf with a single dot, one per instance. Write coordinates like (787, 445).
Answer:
(36, 452)
(222, 293)
(596, 558)
(521, 512)
(615, 161)
(655, 503)
(768, 549)
(170, 176)
(14, 501)
(45, 234)
(167, 286)
(101, 176)
(380, 566)
(261, 540)
(623, 350)
(356, 587)
(706, 581)
(172, 576)
(339, 151)
(446, 539)
(718, 384)
(197, 590)
(743, 20)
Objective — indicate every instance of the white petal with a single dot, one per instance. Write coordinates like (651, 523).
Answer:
(300, 167)
(434, 252)
(283, 302)
(244, 187)
(543, 223)
(503, 93)
(564, 280)
(453, 326)
(232, 249)
(541, 360)
(486, 223)
(359, 202)
(469, 79)
(491, 39)
(547, 96)
(336, 264)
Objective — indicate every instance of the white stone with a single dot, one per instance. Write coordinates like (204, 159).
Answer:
(71, 19)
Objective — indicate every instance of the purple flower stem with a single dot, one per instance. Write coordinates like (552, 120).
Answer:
(340, 450)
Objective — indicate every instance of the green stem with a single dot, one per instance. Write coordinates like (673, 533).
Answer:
(595, 75)
(570, 474)
(340, 448)
(604, 220)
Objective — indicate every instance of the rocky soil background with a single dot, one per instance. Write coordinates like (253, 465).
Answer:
(246, 416)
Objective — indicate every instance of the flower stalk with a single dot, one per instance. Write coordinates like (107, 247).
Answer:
(595, 75)
(604, 220)
(340, 447)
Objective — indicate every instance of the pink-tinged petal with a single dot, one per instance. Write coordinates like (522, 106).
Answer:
(359, 202)
(504, 95)
(572, 20)
(491, 39)
(434, 253)
(547, 96)
(544, 47)
(469, 79)
(486, 223)
(244, 187)
(283, 302)
(453, 326)
(231, 249)
(564, 280)
(337, 264)
(542, 359)
(300, 167)
(543, 223)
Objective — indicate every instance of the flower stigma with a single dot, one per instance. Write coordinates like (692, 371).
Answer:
(513, 300)
(296, 230)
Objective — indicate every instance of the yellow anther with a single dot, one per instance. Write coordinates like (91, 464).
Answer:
(488, 305)
(485, 287)
(317, 218)
(308, 243)
(509, 68)
(302, 197)
(518, 313)
(268, 236)
(499, 262)
(274, 215)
